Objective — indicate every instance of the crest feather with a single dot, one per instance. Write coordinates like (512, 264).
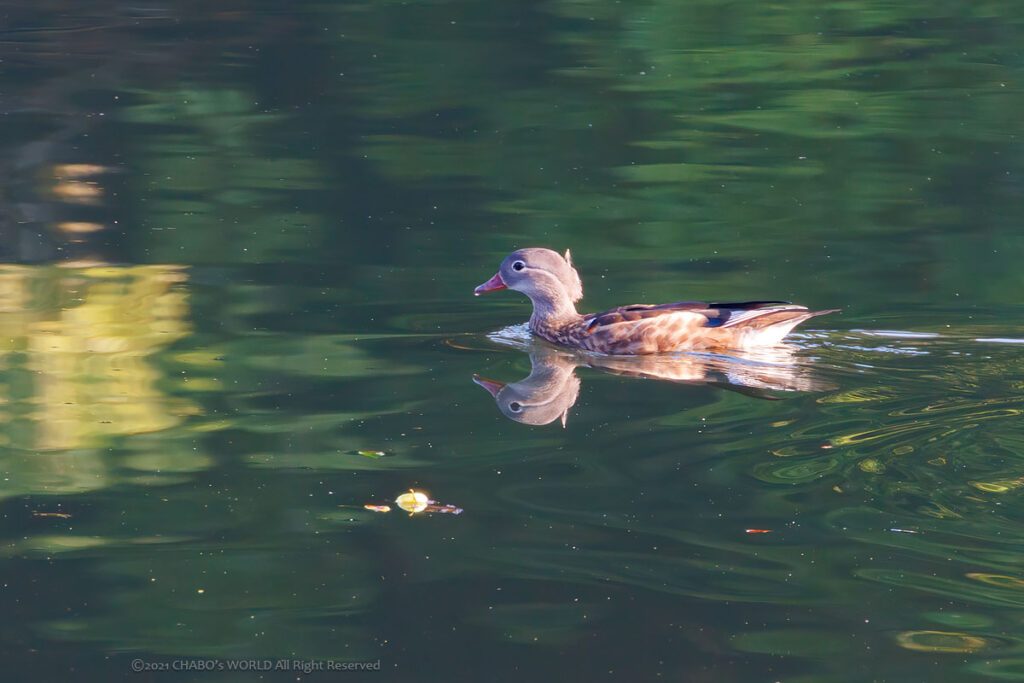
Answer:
(574, 285)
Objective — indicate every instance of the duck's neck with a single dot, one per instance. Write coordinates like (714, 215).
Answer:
(552, 313)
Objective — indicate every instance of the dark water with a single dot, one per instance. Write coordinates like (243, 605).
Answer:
(239, 242)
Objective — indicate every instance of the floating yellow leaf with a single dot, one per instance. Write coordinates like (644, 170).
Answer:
(413, 501)
(418, 501)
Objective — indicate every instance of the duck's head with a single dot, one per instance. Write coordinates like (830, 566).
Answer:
(540, 274)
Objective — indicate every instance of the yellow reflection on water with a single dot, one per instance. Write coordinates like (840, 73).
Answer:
(79, 227)
(71, 184)
(997, 579)
(940, 641)
(76, 365)
(998, 485)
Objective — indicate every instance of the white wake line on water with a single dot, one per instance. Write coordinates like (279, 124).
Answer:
(898, 334)
(907, 334)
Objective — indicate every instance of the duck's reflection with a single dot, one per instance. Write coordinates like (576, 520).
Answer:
(552, 387)
(545, 395)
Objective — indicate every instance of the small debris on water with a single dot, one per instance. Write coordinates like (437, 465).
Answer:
(413, 502)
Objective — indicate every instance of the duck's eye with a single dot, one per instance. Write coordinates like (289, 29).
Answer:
(518, 265)
(515, 407)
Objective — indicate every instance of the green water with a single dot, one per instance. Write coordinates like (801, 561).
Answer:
(237, 251)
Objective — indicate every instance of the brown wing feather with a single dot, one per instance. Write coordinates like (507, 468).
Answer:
(716, 314)
(634, 312)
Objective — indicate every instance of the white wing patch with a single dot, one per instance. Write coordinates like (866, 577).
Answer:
(747, 316)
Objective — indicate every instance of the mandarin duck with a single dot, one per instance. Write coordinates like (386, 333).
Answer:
(554, 287)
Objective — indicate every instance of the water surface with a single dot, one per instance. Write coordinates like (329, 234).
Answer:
(238, 248)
